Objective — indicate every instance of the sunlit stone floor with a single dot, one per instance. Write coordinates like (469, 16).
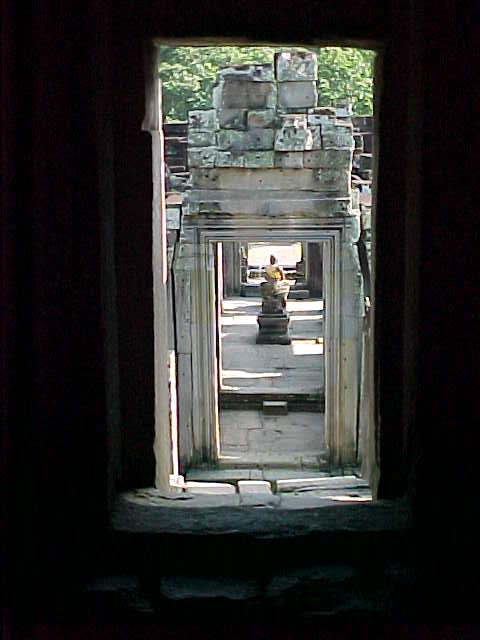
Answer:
(295, 368)
(248, 437)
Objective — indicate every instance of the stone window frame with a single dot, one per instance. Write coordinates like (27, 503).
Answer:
(395, 263)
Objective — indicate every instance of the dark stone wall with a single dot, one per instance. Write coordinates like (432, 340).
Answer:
(76, 192)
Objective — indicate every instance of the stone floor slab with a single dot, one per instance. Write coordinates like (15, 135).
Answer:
(209, 488)
(254, 486)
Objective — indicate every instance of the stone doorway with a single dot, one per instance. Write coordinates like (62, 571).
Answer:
(271, 396)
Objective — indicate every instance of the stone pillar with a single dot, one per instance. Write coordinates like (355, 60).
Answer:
(196, 313)
(314, 269)
(231, 268)
(183, 267)
(162, 444)
(352, 312)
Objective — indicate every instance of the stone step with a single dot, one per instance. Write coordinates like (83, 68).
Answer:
(298, 294)
(275, 408)
(246, 399)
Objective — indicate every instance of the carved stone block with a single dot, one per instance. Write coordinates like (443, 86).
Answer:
(341, 140)
(295, 65)
(234, 93)
(203, 157)
(252, 72)
(293, 138)
(197, 138)
(229, 159)
(327, 158)
(320, 115)
(289, 159)
(202, 119)
(259, 159)
(259, 139)
(316, 137)
(229, 140)
(258, 119)
(297, 94)
(232, 118)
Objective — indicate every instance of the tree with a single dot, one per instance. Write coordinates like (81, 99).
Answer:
(189, 74)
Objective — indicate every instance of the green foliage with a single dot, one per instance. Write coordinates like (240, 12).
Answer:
(189, 74)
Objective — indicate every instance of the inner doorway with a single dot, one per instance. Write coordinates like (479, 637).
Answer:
(271, 396)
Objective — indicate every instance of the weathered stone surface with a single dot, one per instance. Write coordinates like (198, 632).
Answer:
(272, 179)
(343, 110)
(254, 486)
(355, 198)
(343, 483)
(257, 493)
(316, 137)
(340, 140)
(297, 94)
(232, 118)
(293, 138)
(289, 159)
(259, 159)
(235, 93)
(229, 159)
(295, 65)
(333, 180)
(202, 119)
(202, 157)
(254, 139)
(379, 516)
(198, 138)
(173, 217)
(320, 115)
(331, 158)
(338, 126)
(298, 120)
(271, 204)
(263, 118)
(253, 72)
(259, 139)
(229, 140)
(206, 488)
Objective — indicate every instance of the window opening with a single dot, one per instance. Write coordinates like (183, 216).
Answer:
(254, 124)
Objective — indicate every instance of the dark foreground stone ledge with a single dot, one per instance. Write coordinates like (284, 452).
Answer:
(378, 516)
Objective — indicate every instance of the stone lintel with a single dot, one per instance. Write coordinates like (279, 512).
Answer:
(258, 180)
(272, 204)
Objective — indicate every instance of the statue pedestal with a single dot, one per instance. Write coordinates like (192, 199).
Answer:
(273, 328)
(273, 323)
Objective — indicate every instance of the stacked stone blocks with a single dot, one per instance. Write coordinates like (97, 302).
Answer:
(263, 120)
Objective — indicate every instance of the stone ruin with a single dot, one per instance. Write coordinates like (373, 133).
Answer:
(263, 120)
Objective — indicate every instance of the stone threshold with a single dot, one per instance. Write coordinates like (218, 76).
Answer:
(288, 494)
(293, 516)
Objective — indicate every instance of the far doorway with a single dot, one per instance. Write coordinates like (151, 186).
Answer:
(271, 396)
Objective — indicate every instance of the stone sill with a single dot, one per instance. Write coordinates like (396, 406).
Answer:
(296, 517)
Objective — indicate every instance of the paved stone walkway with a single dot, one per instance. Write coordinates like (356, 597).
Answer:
(295, 368)
(248, 438)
